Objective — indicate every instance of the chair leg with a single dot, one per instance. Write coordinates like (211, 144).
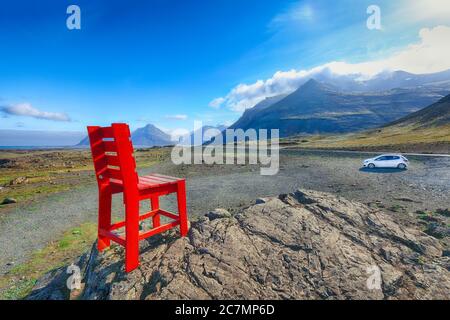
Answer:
(182, 211)
(155, 206)
(132, 236)
(104, 217)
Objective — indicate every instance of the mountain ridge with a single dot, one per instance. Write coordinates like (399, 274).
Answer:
(318, 107)
(437, 114)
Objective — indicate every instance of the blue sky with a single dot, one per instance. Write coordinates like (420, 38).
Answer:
(164, 61)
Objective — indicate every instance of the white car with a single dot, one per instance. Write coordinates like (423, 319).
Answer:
(387, 161)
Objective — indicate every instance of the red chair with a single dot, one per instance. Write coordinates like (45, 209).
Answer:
(115, 168)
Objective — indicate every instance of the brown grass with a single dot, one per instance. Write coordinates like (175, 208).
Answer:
(391, 136)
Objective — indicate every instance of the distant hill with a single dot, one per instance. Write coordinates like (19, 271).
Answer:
(148, 136)
(318, 107)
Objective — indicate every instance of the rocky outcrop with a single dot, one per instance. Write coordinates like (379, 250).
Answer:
(305, 245)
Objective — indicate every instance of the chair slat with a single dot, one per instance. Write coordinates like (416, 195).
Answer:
(107, 132)
(163, 178)
(110, 146)
(150, 181)
(112, 160)
(114, 174)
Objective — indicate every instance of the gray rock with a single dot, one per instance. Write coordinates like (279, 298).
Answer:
(438, 230)
(218, 214)
(9, 201)
(304, 245)
(261, 201)
(18, 180)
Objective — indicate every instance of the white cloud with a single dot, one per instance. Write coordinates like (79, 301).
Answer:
(430, 54)
(297, 13)
(216, 103)
(177, 133)
(426, 9)
(27, 110)
(177, 117)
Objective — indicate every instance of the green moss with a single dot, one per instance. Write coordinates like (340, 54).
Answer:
(397, 208)
(20, 290)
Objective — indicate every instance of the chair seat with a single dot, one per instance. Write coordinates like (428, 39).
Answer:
(156, 180)
(150, 181)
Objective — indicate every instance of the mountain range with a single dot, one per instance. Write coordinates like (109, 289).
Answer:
(320, 107)
(326, 103)
(151, 136)
(385, 80)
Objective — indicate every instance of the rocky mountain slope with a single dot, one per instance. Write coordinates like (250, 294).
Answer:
(438, 114)
(305, 245)
(150, 136)
(322, 108)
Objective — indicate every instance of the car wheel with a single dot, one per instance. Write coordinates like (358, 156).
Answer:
(371, 166)
(401, 166)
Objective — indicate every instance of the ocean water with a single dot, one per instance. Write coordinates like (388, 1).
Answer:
(37, 147)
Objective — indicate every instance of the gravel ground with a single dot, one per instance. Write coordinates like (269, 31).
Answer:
(426, 185)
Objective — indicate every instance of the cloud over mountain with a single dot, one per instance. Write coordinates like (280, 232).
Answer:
(430, 54)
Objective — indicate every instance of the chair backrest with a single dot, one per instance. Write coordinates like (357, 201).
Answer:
(112, 152)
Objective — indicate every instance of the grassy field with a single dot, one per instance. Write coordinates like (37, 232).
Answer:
(404, 139)
(28, 175)
(19, 281)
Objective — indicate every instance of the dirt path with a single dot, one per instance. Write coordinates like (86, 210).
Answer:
(425, 186)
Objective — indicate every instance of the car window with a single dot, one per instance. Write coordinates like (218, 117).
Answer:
(395, 158)
(380, 159)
